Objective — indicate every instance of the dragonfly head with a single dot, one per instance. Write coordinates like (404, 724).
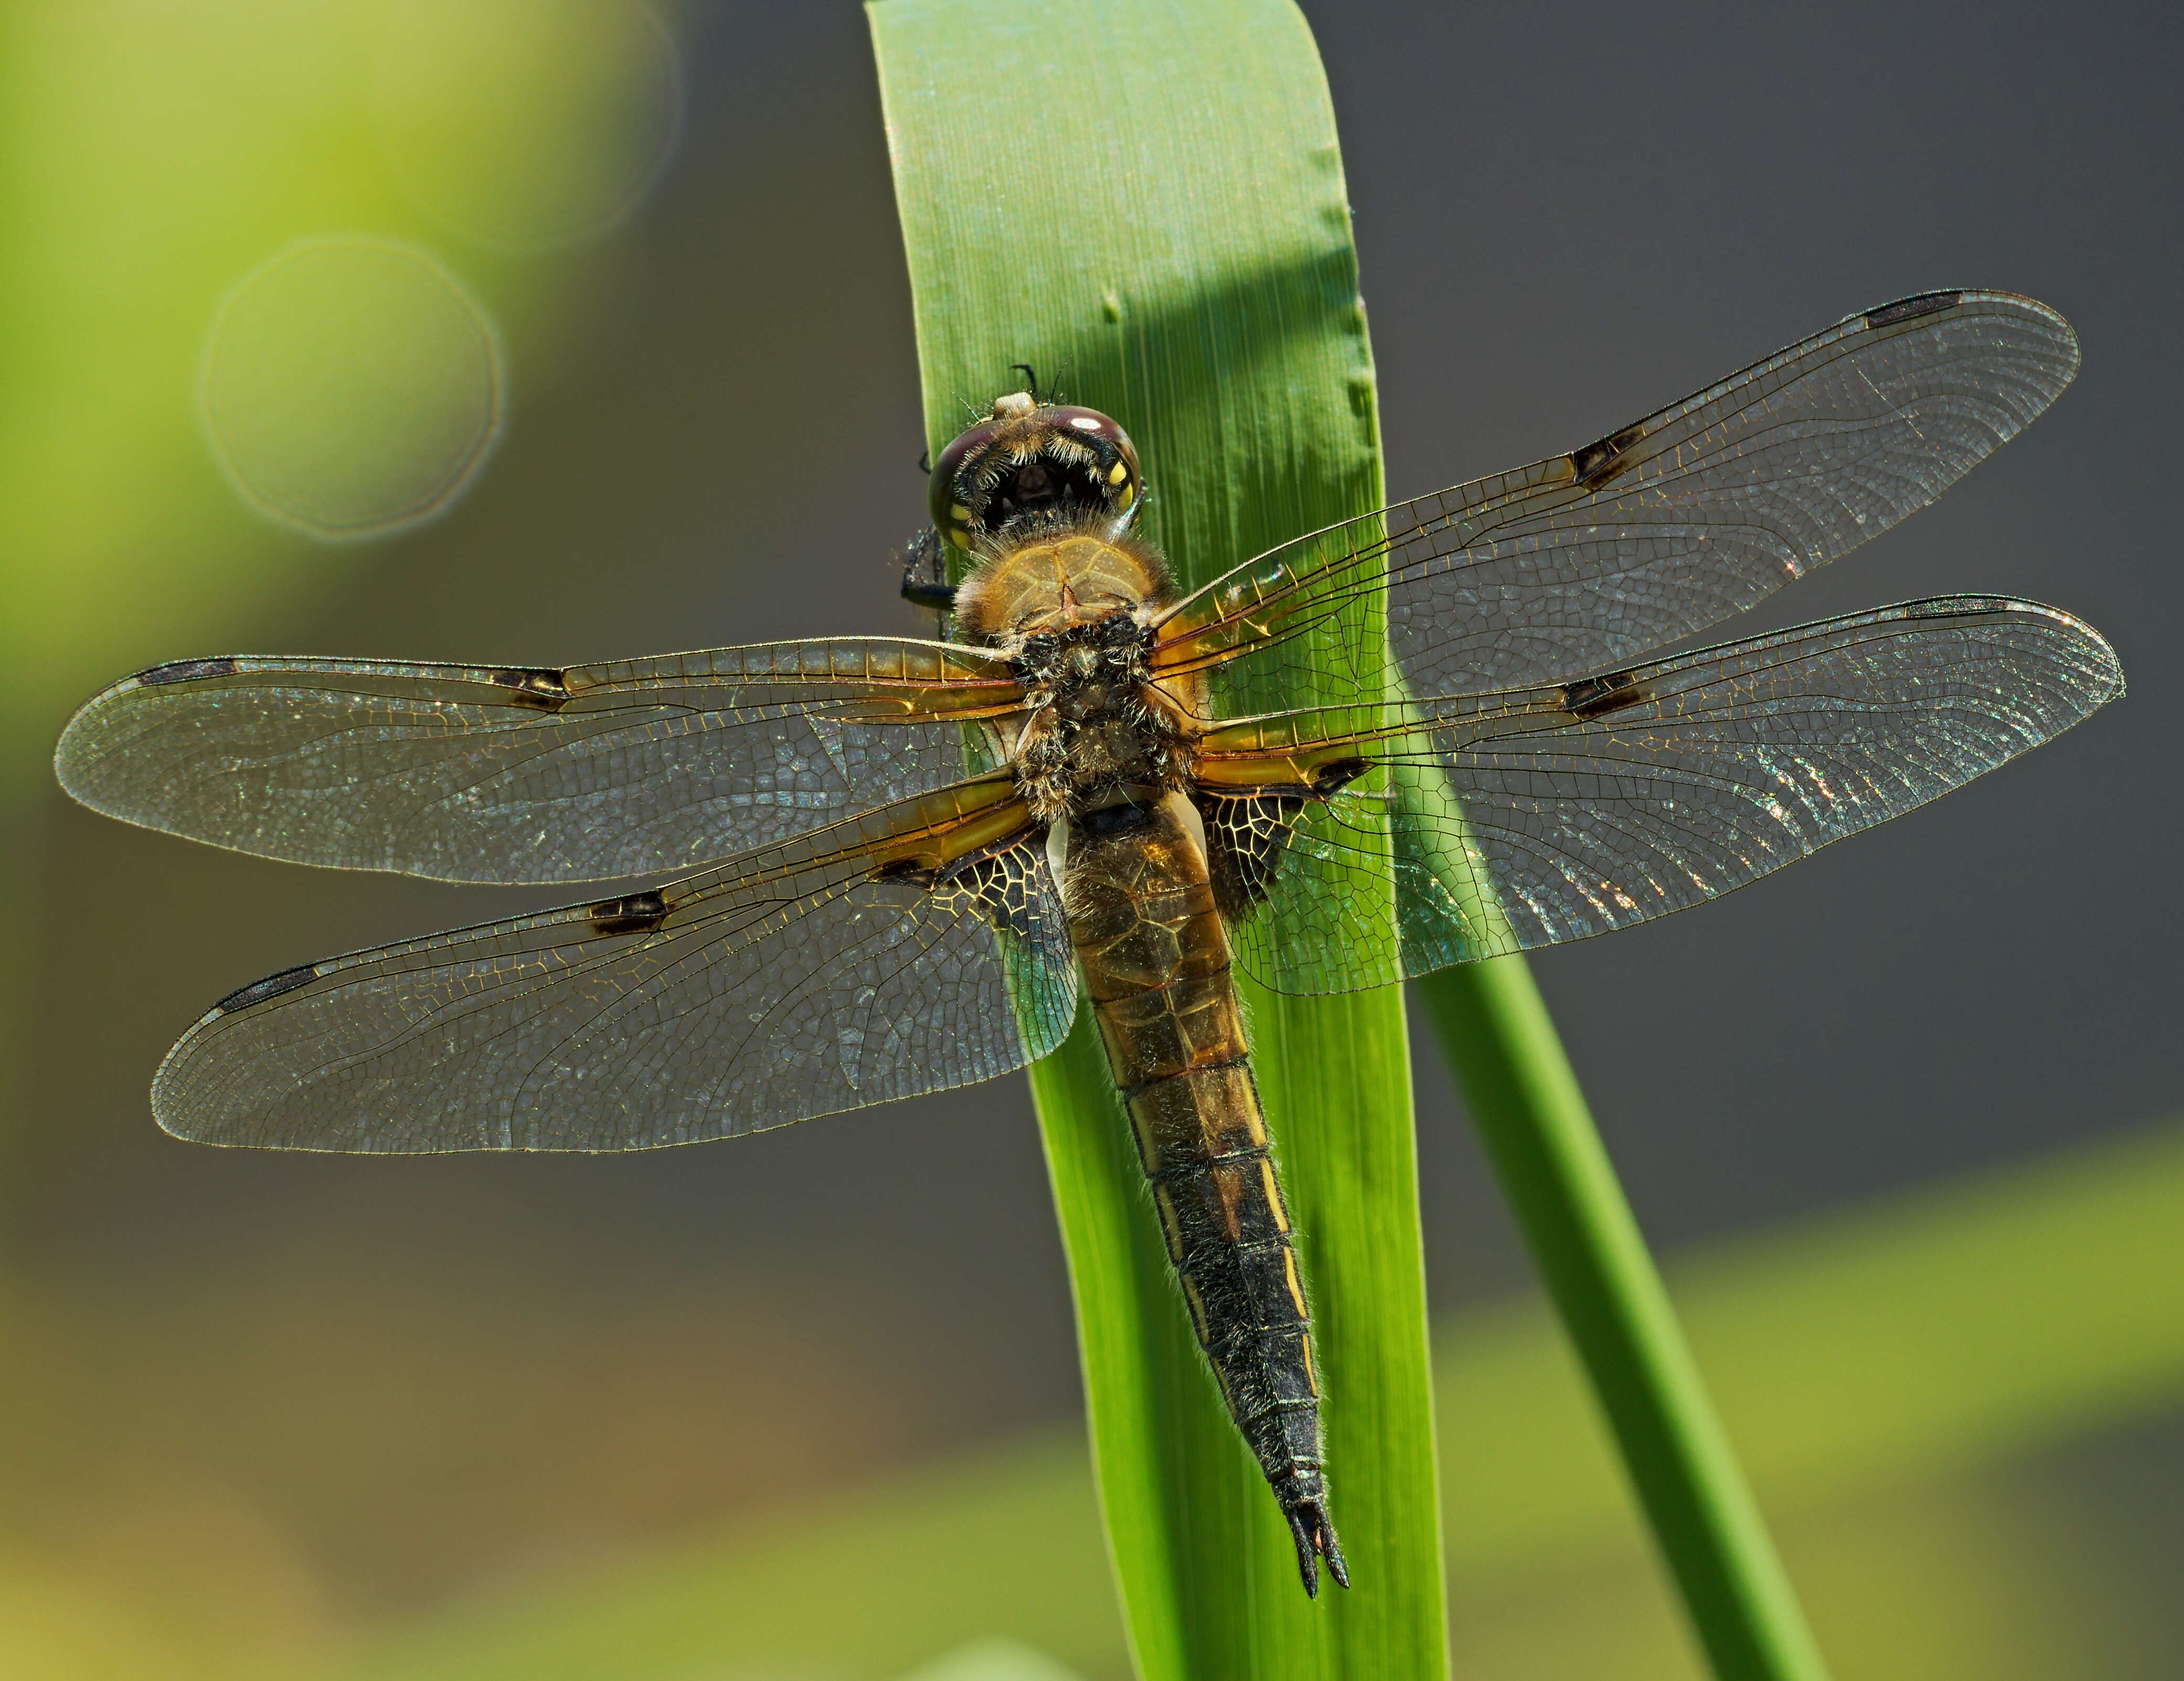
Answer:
(1032, 467)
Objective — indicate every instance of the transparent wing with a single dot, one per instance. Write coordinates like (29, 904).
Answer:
(847, 968)
(1528, 817)
(1662, 529)
(625, 769)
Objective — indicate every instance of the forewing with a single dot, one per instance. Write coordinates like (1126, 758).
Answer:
(804, 979)
(1503, 821)
(1665, 527)
(609, 771)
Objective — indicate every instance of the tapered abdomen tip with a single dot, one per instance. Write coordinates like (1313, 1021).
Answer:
(1315, 1539)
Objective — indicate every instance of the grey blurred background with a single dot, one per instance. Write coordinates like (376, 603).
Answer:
(1565, 217)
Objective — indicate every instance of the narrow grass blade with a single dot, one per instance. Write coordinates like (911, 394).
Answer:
(1145, 202)
(1525, 1100)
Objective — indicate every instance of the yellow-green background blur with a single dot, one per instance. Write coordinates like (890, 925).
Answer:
(617, 294)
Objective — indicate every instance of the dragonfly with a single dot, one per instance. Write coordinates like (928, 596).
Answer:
(849, 870)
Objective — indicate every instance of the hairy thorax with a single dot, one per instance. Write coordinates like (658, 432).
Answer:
(1074, 611)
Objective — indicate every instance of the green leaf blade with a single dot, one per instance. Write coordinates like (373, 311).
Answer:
(1145, 204)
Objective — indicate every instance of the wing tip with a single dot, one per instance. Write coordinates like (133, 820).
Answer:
(76, 759)
(2103, 660)
(171, 1106)
(1984, 301)
(75, 762)
(167, 1107)
(2100, 679)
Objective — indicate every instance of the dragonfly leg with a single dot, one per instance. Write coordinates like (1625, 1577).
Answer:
(930, 590)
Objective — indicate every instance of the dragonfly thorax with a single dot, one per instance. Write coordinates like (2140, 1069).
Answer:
(1099, 731)
(1073, 609)
(1087, 670)
(1056, 582)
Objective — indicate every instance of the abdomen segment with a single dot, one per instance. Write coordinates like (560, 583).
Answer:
(1156, 964)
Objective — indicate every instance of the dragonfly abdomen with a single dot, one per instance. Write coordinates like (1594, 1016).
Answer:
(1156, 959)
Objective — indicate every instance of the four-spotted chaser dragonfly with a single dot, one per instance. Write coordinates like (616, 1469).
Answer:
(882, 866)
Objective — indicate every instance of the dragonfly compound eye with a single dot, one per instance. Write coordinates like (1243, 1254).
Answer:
(1033, 466)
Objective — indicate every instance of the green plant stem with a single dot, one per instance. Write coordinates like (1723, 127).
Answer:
(1526, 1103)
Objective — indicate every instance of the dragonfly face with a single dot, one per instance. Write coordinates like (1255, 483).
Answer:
(854, 869)
(1032, 465)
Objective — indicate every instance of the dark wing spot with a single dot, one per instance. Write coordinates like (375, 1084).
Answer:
(271, 986)
(533, 687)
(1597, 697)
(1245, 836)
(1910, 309)
(187, 671)
(639, 913)
(1002, 879)
(1334, 778)
(1598, 463)
(907, 870)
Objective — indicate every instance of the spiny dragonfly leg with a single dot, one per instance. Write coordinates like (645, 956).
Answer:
(925, 574)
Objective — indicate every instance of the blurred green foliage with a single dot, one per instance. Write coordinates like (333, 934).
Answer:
(1889, 1376)
(152, 156)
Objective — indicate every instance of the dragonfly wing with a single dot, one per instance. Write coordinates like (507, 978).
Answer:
(1499, 822)
(1657, 531)
(608, 772)
(831, 971)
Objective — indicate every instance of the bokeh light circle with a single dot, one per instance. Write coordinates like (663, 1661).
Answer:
(525, 123)
(351, 388)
